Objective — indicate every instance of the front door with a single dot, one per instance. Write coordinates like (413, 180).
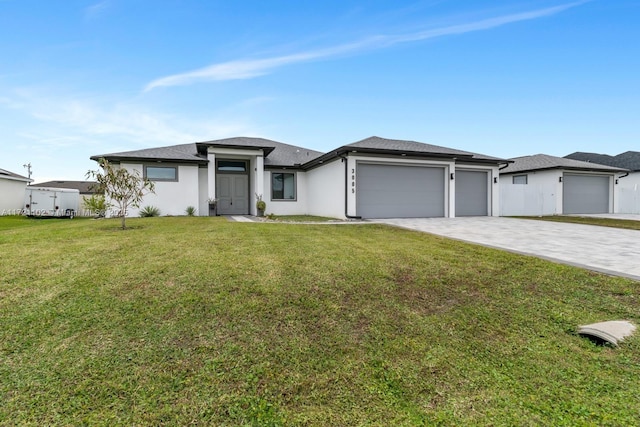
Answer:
(232, 191)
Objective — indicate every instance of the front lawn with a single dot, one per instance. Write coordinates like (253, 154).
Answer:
(302, 218)
(589, 220)
(201, 321)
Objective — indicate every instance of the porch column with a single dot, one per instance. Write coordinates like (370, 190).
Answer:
(450, 185)
(259, 186)
(211, 175)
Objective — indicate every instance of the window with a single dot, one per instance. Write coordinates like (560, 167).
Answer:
(283, 186)
(520, 179)
(232, 166)
(161, 173)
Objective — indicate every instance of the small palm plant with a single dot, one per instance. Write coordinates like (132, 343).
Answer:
(190, 211)
(149, 211)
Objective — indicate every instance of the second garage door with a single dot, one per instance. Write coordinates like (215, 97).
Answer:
(585, 194)
(398, 191)
(472, 194)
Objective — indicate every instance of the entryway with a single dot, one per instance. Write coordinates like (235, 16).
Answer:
(232, 187)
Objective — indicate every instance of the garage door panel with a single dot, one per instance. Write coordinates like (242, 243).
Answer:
(395, 191)
(472, 193)
(585, 194)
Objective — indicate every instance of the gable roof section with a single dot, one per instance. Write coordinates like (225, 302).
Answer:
(85, 187)
(545, 162)
(384, 146)
(627, 160)
(275, 153)
(13, 176)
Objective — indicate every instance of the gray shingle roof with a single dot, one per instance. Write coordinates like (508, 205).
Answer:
(85, 187)
(544, 161)
(13, 176)
(179, 153)
(627, 160)
(276, 153)
(375, 142)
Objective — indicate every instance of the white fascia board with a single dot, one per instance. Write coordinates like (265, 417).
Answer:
(15, 178)
(235, 152)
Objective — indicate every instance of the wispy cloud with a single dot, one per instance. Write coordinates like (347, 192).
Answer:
(74, 120)
(97, 9)
(250, 68)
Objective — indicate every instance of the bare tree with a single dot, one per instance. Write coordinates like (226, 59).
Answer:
(122, 189)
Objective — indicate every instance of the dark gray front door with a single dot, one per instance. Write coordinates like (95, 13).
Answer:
(232, 191)
(585, 194)
(472, 197)
(398, 191)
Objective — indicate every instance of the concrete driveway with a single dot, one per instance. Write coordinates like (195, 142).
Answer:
(608, 250)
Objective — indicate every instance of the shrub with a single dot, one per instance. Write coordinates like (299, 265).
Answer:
(261, 205)
(149, 211)
(97, 205)
(190, 211)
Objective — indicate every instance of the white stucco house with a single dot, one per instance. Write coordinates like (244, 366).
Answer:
(372, 178)
(549, 185)
(12, 188)
(627, 184)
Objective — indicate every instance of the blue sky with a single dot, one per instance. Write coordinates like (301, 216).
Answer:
(503, 78)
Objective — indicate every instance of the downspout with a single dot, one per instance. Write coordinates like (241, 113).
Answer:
(503, 167)
(346, 188)
(622, 176)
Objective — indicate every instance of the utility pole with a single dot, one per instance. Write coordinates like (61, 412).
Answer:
(28, 166)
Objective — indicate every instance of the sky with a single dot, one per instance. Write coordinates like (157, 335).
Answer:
(503, 78)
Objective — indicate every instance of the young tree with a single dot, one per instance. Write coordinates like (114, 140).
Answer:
(122, 189)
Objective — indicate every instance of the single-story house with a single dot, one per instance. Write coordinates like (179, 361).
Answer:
(12, 188)
(549, 185)
(628, 185)
(372, 178)
(86, 189)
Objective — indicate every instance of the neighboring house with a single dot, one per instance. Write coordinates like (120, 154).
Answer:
(86, 189)
(12, 188)
(372, 178)
(628, 186)
(548, 185)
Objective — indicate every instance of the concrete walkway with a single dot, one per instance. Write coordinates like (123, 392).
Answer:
(609, 250)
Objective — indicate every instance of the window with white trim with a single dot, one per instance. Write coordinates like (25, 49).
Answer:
(520, 179)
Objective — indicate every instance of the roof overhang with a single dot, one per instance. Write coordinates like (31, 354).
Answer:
(15, 178)
(404, 154)
(126, 159)
(564, 168)
(202, 147)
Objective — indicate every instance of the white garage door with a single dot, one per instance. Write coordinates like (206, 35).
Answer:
(585, 194)
(398, 191)
(472, 193)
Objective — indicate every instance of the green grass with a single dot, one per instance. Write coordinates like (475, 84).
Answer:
(604, 222)
(202, 321)
(301, 218)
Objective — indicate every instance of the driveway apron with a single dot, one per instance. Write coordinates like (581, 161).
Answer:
(609, 250)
